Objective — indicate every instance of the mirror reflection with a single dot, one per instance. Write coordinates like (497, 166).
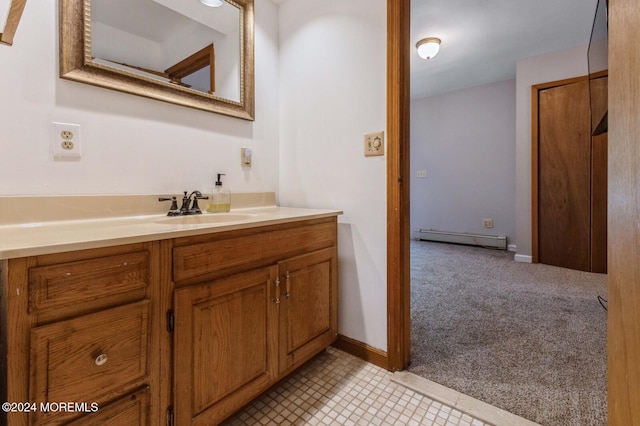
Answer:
(185, 43)
(177, 51)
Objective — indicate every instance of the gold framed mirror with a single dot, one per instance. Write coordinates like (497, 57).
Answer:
(176, 51)
(13, 15)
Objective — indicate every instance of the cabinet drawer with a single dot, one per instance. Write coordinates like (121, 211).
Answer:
(93, 283)
(130, 410)
(250, 251)
(87, 358)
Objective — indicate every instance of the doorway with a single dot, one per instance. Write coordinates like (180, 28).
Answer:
(624, 319)
(569, 174)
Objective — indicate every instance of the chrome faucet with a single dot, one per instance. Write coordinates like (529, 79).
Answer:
(189, 204)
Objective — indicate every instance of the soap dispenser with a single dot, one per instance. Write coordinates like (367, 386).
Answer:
(220, 200)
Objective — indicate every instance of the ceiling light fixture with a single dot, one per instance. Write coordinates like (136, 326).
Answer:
(212, 3)
(428, 47)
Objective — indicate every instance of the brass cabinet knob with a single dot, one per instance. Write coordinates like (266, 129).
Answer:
(101, 359)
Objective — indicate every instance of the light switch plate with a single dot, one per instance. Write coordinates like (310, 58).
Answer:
(246, 155)
(374, 144)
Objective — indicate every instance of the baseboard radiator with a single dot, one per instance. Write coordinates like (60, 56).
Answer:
(462, 238)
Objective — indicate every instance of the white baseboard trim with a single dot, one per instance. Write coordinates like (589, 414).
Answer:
(511, 247)
(523, 258)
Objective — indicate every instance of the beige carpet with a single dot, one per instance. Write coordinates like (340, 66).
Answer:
(530, 339)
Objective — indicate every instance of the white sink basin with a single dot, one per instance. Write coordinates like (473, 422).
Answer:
(204, 219)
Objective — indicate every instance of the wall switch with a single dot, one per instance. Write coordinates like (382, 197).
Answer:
(65, 141)
(247, 157)
(373, 144)
(422, 173)
(487, 223)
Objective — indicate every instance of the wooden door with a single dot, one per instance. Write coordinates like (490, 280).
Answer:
(564, 176)
(225, 345)
(623, 337)
(308, 315)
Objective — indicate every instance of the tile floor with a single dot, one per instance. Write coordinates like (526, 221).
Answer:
(336, 388)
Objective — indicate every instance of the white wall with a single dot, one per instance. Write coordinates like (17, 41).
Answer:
(531, 71)
(465, 140)
(333, 79)
(331, 68)
(130, 144)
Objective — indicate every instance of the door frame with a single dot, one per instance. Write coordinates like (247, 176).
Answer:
(398, 255)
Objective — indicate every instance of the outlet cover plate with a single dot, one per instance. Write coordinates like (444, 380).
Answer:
(65, 142)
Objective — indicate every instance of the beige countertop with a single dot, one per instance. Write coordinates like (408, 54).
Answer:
(45, 237)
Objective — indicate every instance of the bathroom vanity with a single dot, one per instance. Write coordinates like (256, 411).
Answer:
(148, 320)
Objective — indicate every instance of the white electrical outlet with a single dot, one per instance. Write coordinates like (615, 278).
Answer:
(487, 223)
(65, 141)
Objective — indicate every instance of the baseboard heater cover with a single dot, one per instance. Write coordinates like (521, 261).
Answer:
(463, 238)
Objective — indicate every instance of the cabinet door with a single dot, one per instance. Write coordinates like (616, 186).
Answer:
(225, 345)
(308, 316)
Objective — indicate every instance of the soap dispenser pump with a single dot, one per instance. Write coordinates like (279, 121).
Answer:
(220, 200)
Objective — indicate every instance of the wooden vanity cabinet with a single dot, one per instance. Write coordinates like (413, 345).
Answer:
(79, 329)
(177, 331)
(249, 308)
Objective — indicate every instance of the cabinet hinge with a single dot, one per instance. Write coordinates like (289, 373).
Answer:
(170, 416)
(170, 321)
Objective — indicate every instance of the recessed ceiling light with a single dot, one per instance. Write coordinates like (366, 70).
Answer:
(428, 47)
(212, 3)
